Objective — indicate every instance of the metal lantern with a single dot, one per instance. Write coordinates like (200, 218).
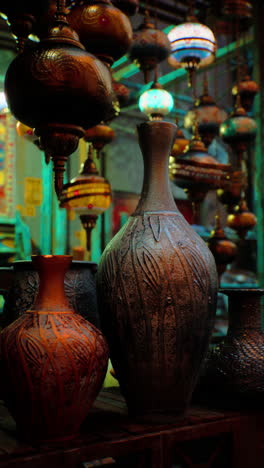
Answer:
(238, 131)
(208, 115)
(61, 90)
(150, 46)
(104, 30)
(241, 220)
(247, 90)
(240, 9)
(193, 45)
(197, 172)
(99, 136)
(156, 102)
(88, 194)
(121, 91)
(180, 144)
(222, 248)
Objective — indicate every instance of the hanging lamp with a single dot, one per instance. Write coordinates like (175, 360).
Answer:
(61, 90)
(197, 172)
(208, 115)
(222, 248)
(88, 194)
(99, 136)
(239, 130)
(193, 46)
(156, 102)
(121, 91)
(150, 46)
(247, 90)
(104, 30)
(241, 219)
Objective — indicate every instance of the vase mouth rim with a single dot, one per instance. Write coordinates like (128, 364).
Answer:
(19, 265)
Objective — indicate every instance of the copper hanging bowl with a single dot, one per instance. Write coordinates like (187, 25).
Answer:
(222, 248)
(197, 172)
(209, 117)
(149, 47)
(99, 136)
(61, 90)
(247, 89)
(104, 30)
(241, 220)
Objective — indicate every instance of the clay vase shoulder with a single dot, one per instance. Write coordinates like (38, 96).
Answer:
(79, 285)
(157, 286)
(52, 361)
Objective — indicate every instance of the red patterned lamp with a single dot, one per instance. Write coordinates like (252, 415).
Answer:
(88, 194)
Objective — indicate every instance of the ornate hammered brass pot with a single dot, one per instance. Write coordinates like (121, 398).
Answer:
(157, 285)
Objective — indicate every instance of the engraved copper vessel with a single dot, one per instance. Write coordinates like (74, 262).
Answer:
(104, 30)
(234, 373)
(157, 285)
(52, 361)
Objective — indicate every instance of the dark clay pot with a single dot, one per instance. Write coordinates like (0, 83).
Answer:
(157, 286)
(52, 361)
(233, 375)
(79, 286)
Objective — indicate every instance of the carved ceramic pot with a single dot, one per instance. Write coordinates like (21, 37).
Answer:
(52, 361)
(233, 375)
(79, 284)
(157, 286)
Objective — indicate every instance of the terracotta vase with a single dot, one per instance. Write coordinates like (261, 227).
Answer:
(79, 284)
(233, 375)
(157, 287)
(52, 361)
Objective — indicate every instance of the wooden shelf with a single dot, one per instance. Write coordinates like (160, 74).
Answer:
(206, 438)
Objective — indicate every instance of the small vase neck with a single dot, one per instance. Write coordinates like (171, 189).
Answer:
(51, 295)
(156, 139)
(244, 310)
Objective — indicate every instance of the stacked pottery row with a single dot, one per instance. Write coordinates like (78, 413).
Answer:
(157, 286)
(52, 360)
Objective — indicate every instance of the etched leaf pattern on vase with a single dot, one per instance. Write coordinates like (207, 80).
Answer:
(152, 250)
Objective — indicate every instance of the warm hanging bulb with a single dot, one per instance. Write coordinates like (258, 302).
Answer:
(156, 102)
(193, 45)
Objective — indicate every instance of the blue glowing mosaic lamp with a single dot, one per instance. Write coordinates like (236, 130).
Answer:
(156, 102)
(193, 45)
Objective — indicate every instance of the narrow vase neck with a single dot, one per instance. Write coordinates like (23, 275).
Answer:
(244, 311)
(156, 139)
(51, 295)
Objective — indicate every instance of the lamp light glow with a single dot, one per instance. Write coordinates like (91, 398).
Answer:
(193, 45)
(156, 102)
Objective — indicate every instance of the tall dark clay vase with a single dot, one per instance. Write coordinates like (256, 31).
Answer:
(157, 287)
(52, 361)
(233, 375)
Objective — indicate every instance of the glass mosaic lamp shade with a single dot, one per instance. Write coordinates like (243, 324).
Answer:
(193, 46)
(156, 102)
